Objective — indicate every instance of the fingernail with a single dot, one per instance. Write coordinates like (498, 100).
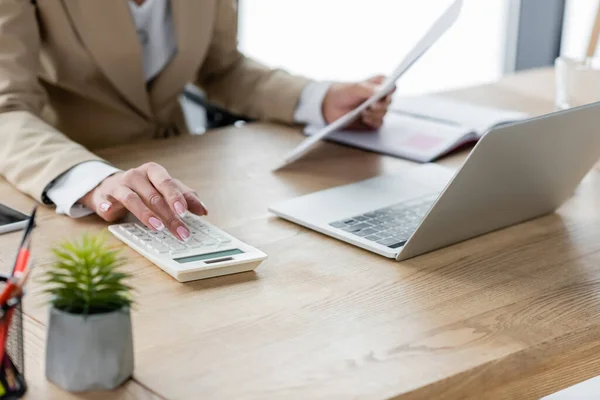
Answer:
(205, 209)
(180, 208)
(104, 207)
(156, 223)
(183, 233)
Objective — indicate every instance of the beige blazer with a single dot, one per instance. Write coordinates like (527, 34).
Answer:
(71, 80)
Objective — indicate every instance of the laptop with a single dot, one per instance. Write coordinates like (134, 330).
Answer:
(515, 173)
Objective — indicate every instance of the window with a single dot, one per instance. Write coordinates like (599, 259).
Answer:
(354, 39)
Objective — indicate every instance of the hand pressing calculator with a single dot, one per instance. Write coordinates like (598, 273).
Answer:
(209, 252)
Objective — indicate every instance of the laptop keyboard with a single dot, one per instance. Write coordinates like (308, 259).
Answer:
(390, 226)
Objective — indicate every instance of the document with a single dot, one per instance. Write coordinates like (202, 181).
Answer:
(425, 128)
(438, 29)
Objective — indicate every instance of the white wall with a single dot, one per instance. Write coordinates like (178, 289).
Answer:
(353, 39)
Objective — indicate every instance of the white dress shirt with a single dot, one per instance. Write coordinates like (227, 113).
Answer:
(157, 35)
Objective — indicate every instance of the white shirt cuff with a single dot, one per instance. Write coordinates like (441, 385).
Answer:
(76, 183)
(310, 107)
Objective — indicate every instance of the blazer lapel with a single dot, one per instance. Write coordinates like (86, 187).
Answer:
(108, 32)
(193, 21)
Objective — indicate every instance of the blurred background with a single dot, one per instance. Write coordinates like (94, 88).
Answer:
(354, 39)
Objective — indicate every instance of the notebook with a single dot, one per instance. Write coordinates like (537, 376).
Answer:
(425, 128)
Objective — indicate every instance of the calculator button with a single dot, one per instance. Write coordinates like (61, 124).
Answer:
(195, 243)
(130, 230)
(176, 247)
(127, 232)
(178, 252)
(159, 248)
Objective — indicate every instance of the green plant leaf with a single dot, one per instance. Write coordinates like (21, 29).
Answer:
(85, 277)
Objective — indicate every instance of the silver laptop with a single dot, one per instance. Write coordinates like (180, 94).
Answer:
(515, 173)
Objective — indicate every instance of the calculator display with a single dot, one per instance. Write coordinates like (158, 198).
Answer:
(209, 256)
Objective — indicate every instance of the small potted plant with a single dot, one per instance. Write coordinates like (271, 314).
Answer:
(90, 343)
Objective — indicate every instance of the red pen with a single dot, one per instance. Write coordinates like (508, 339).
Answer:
(15, 283)
(23, 255)
(21, 262)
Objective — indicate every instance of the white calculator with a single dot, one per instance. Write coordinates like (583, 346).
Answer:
(208, 253)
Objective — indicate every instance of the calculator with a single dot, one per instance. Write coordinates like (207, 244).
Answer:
(209, 251)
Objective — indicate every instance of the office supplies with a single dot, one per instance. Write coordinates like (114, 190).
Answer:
(25, 248)
(437, 30)
(12, 381)
(20, 272)
(12, 366)
(425, 128)
(11, 220)
(15, 284)
(208, 253)
(515, 173)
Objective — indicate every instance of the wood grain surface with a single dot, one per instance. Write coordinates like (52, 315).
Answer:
(512, 314)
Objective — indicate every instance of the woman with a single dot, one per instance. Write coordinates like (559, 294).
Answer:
(77, 75)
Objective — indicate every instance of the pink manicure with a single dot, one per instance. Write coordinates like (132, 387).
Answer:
(183, 233)
(156, 223)
(104, 207)
(180, 208)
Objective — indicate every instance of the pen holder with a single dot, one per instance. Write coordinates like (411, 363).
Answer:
(12, 363)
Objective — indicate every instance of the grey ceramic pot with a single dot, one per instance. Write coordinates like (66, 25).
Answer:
(93, 353)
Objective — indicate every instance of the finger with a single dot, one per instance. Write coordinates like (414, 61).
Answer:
(137, 181)
(377, 80)
(162, 181)
(372, 122)
(362, 90)
(195, 205)
(376, 114)
(366, 89)
(380, 106)
(133, 202)
(109, 211)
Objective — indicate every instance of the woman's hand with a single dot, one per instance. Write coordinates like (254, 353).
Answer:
(345, 97)
(151, 194)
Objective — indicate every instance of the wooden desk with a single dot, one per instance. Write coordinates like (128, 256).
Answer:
(513, 314)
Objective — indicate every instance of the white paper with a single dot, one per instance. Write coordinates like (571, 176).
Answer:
(416, 139)
(435, 32)
(473, 117)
